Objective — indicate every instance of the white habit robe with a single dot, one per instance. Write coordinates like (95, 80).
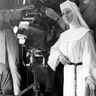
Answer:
(77, 46)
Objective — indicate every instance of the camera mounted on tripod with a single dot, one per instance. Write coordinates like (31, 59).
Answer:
(36, 58)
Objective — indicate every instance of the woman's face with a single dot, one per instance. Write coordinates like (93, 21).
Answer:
(67, 15)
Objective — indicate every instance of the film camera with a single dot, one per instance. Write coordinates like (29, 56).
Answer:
(36, 58)
(31, 39)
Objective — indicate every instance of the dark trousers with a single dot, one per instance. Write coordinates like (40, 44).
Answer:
(54, 80)
(6, 84)
(58, 80)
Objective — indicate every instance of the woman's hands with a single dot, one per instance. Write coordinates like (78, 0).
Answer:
(90, 82)
(63, 59)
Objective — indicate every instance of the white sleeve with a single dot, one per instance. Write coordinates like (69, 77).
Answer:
(53, 57)
(89, 55)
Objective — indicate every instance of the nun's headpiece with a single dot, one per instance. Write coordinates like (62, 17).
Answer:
(75, 9)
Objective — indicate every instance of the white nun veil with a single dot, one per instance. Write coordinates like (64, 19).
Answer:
(76, 34)
(72, 5)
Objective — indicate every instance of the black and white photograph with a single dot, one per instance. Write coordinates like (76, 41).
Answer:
(47, 47)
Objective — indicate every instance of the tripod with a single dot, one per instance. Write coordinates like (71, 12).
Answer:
(34, 65)
(35, 85)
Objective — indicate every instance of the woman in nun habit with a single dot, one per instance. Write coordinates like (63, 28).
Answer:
(76, 50)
